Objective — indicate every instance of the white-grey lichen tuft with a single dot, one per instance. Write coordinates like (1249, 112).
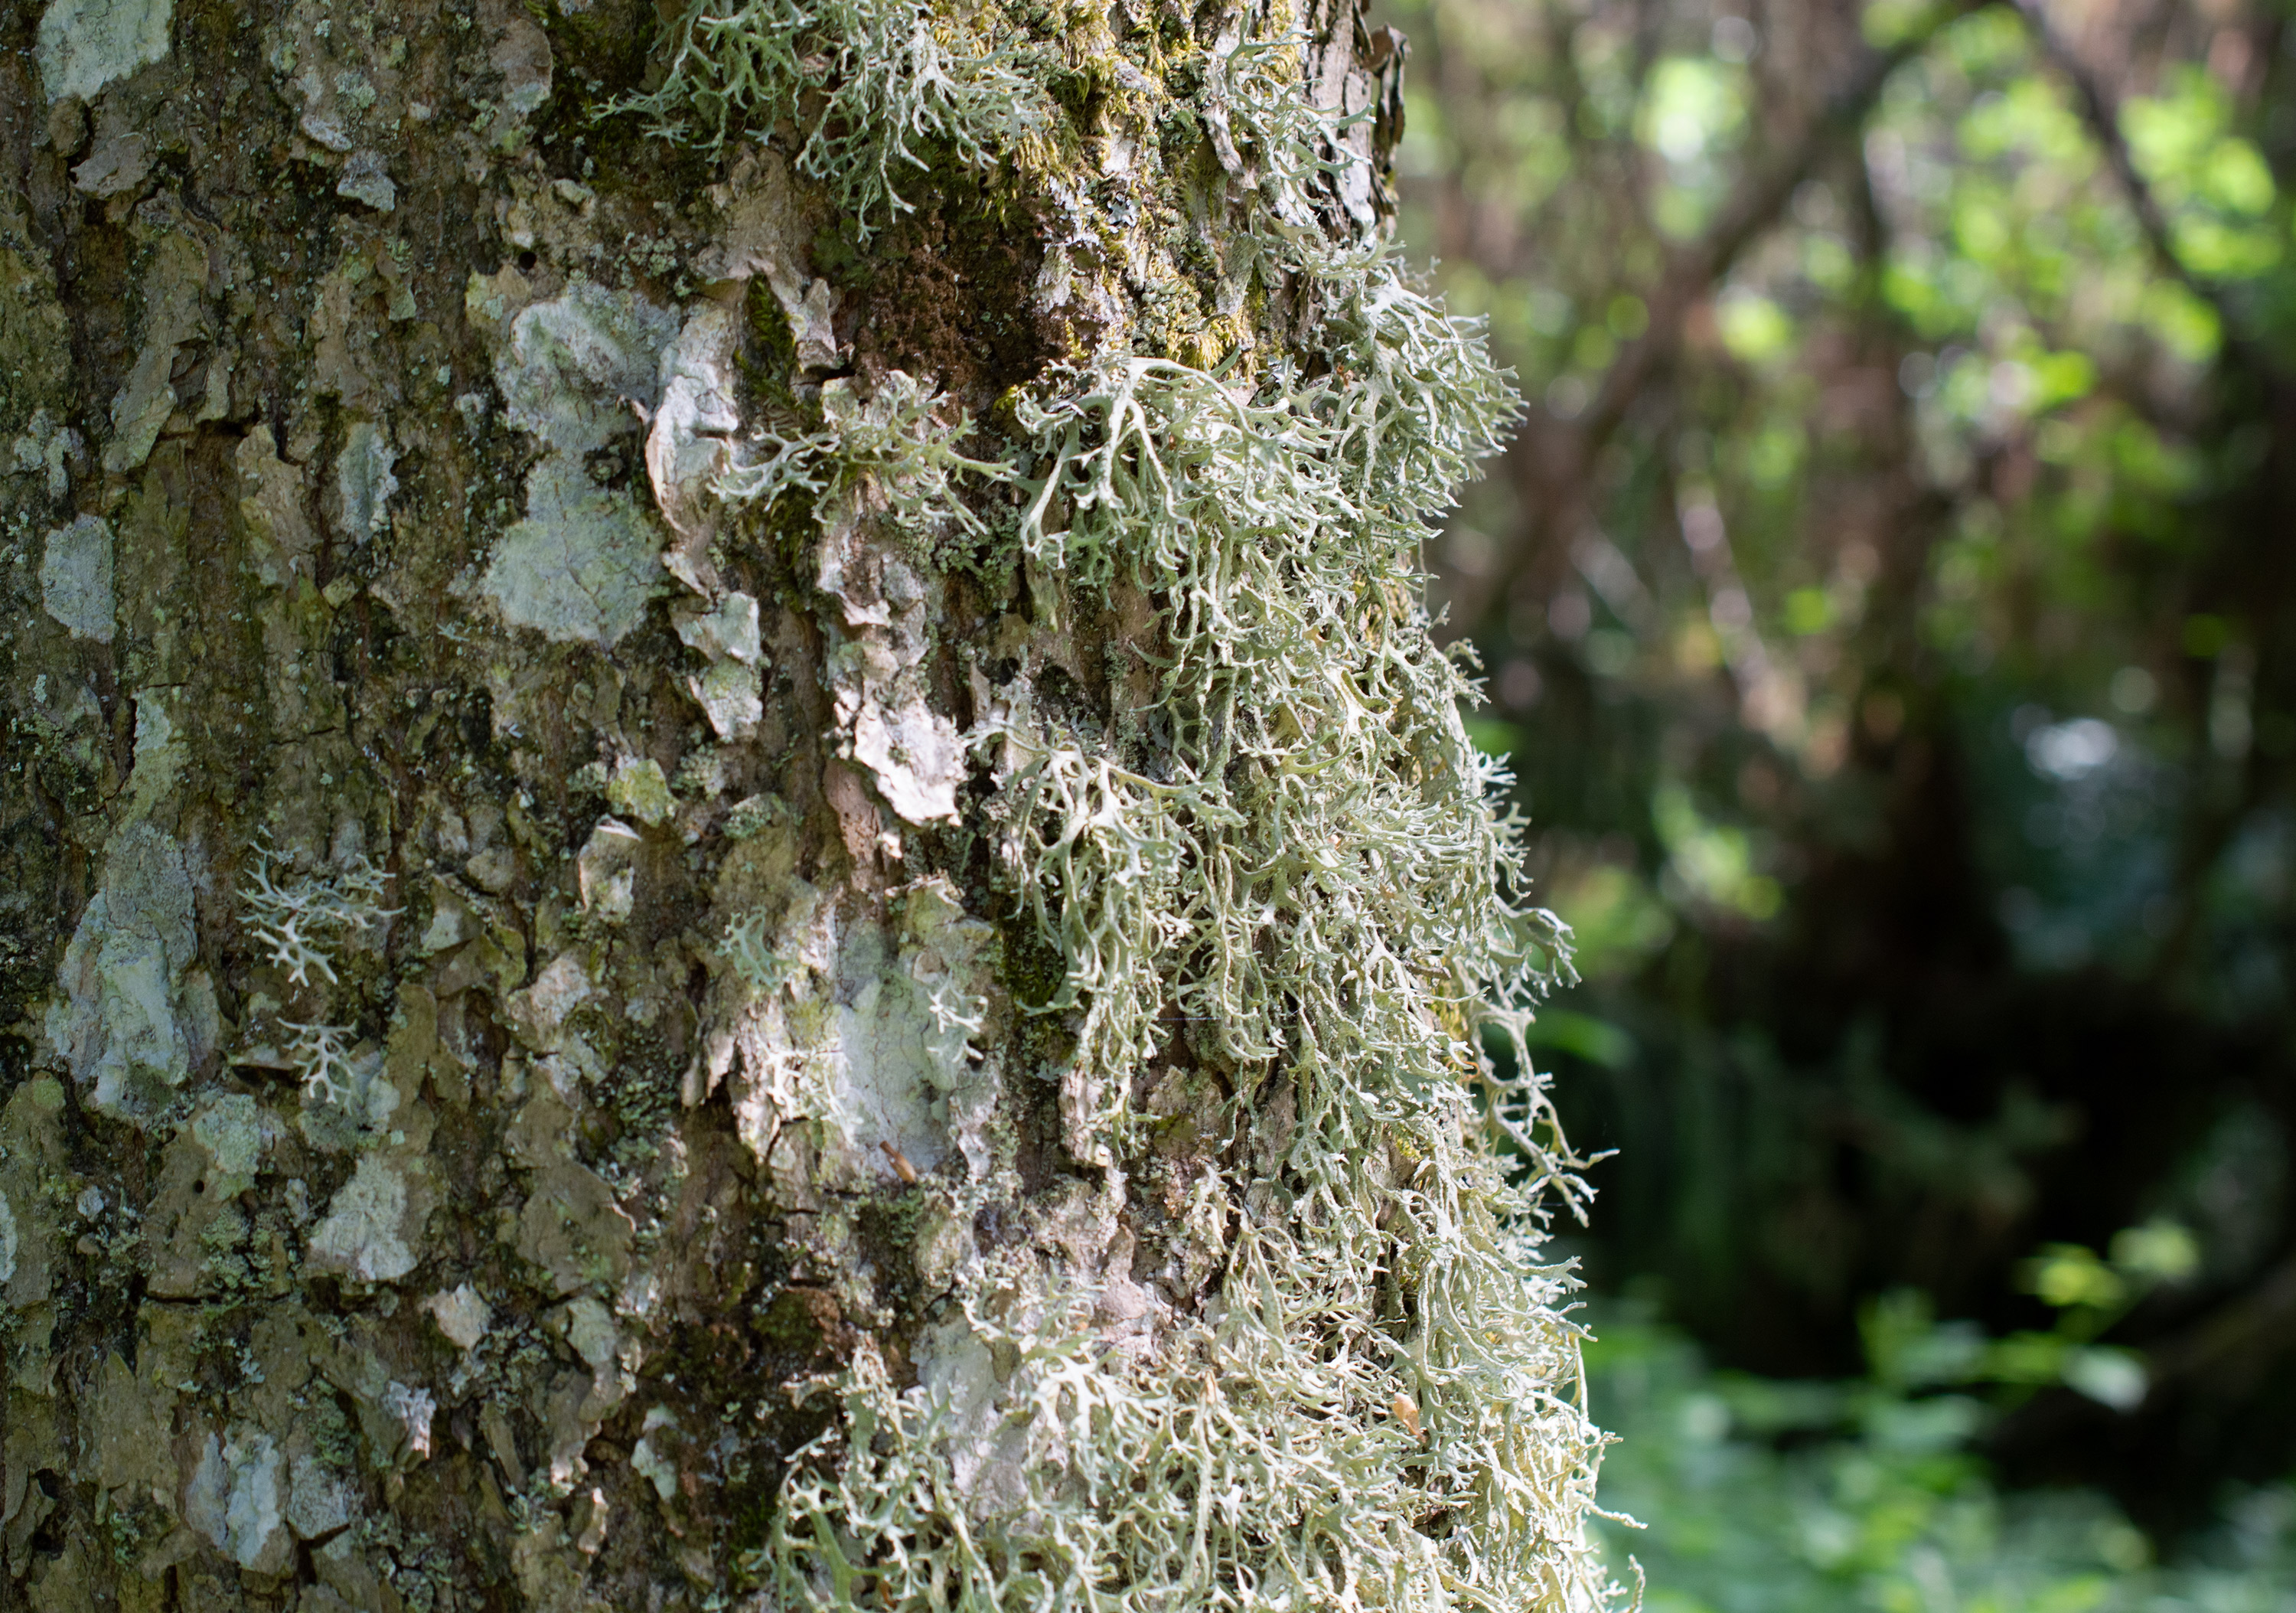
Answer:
(1318, 883)
(896, 439)
(321, 1056)
(299, 922)
(873, 86)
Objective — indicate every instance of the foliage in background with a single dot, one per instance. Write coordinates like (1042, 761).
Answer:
(1888, 609)
(1764, 1497)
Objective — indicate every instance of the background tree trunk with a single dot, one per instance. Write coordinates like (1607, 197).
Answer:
(638, 967)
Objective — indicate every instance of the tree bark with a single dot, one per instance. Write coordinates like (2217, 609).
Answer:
(733, 868)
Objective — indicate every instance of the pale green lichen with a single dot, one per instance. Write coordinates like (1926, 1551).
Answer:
(1273, 866)
(234, 1130)
(576, 371)
(582, 567)
(46, 446)
(869, 84)
(864, 1039)
(1304, 868)
(1257, 1462)
(1288, 148)
(364, 480)
(898, 440)
(574, 365)
(729, 630)
(639, 789)
(1316, 882)
(1421, 401)
(750, 948)
(363, 1235)
(133, 1015)
(237, 1499)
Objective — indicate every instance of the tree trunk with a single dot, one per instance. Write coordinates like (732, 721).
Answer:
(734, 867)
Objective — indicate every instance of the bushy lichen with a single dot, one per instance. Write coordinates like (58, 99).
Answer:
(1257, 1462)
(876, 87)
(900, 438)
(321, 1056)
(1283, 842)
(1316, 882)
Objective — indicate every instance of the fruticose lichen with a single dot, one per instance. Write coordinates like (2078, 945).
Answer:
(869, 82)
(897, 439)
(299, 921)
(1307, 874)
(1279, 851)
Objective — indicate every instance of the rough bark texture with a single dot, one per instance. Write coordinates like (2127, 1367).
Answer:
(638, 967)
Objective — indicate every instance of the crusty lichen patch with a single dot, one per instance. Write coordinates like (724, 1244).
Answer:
(579, 371)
(84, 45)
(133, 1019)
(364, 1232)
(237, 1499)
(582, 565)
(76, 577)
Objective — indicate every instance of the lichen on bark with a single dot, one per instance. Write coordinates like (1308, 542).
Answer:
(733, 868)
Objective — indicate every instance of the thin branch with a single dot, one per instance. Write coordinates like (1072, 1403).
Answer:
(1748, 214)
(2101, 110)
(1692, 270)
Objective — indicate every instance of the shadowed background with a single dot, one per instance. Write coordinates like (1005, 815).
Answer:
(1887, 607)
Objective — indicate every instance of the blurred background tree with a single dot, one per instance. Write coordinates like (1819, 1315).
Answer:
(1886, 606)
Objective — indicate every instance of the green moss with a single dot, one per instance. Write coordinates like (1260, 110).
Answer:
(35, 347)
(769, 365)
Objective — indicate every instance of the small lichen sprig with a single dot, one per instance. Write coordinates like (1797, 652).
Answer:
(894, 439)
(321, 1056)
(1288, 148)
(871, 86)
(298, 921)
(1142, 447)
(1419, 401)
(1104, 848)
(749, 948)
